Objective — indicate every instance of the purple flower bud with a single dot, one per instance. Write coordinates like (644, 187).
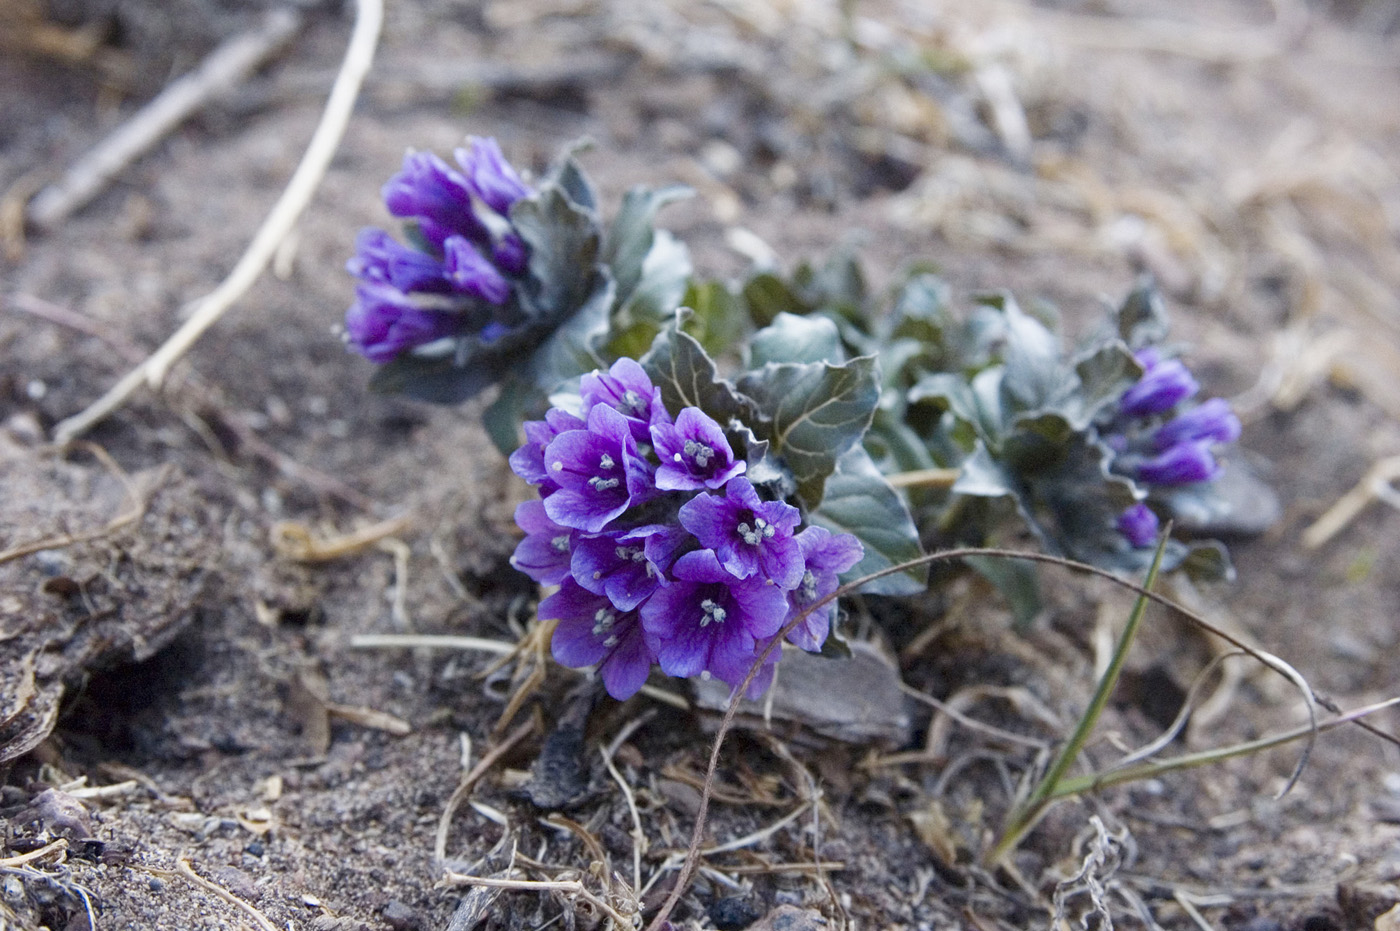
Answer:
(528, 461)
(706, 620)
(591, 630)
(1140, 525)
(751, 538)
(694, 453)
(1182, 464)
(598, 471)
(826, 555)
(1212, 420)
(427, 188)
(489, 175)
(511, 254)
(627, 389)
(616, 565)
(383, 322)
(544, 554)
(470, 272)
(1162, 387)
(380, 257)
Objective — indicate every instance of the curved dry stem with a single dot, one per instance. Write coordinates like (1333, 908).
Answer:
(659, 921)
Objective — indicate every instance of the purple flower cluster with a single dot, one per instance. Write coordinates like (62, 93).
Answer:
(664, 552)
(1161, 439)
(456, 275)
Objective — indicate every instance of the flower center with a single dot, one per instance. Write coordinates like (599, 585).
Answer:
(807, 589)
(711, 613)
(699, 453)
(634, 403)
(598, 483)
(607, 462)
(760, 530)
(603, 621)
(560, 543)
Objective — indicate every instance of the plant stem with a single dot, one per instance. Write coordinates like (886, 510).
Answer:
(1025, 815)
(1152, 768)
(924, 478)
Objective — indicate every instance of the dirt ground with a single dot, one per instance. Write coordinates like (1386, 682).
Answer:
(189, 690)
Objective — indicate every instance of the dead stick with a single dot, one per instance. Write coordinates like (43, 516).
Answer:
(307, 177)
(227, 65)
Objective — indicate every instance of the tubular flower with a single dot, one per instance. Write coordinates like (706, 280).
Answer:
(1139, 525)
(688, 569)
(456, 274)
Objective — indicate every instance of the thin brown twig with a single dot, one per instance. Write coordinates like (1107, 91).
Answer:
(31, 856)
(464, 788)
(183, 867)
(139, 503)
(694, 851)
(228, 64)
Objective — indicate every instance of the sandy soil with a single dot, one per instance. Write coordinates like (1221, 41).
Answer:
(206, 705)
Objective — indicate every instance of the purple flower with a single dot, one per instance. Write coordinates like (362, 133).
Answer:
(471, 273)
(616, 565)
(1163, 385)
(427, 188)
(489, 175)
(598, 471)
(751, 538)
(626, 389)
(1140, 525)
(694, 453)
(707, 620)
(528, 461)
(544, 554)
(380, 257)
(591, 630)
(1212, 420)
(826, 556)
(1182, 464)
(511, 254)
(383, 322)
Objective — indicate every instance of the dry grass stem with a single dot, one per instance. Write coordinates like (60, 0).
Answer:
(566, 886)
(469, 781)
(31, 856)
(183, 867)
(296, 541)
(303, 184)
(227, 65)
(139, 502)
(1375, 486)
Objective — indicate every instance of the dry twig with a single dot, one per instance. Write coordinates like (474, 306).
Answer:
(183, 867)
(227, 65)
(284, 214)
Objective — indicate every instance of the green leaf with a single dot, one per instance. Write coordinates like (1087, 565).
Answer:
(982, 476)
(719, 321)
(1104, 375)
(1142, 317)
(686, 375)
(631, 238)
(503, 416)
(767, 295)
(665, 274)
(859, 501)
(564, 242)
(813, 412)
(1035, 374)
(790, 338)
(569, 177)
(572, 349)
